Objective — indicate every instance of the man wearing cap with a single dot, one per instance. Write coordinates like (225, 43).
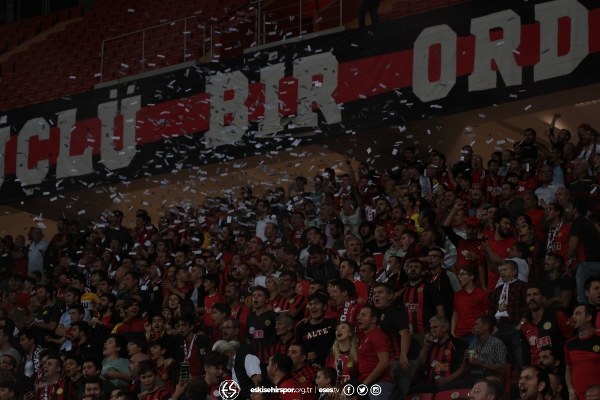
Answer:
(116, 231)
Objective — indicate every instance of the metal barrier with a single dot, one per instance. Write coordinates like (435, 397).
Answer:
(274, 21)
(284, 20)
(180, 31)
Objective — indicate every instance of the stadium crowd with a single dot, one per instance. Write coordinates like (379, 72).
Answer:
(419, 277)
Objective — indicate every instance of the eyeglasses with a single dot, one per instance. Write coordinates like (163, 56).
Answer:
(433, 255)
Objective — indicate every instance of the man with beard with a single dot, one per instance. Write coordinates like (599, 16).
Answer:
(420, 300)
(82, 344)
(557, 288)
(581, 353)
(239, 310)
(557, 236)
(440, 280)
(241, 275)
(492, 183)
(261, 324)
(46, 318)
(534, 384)
(104, 320)
(510, 201)
(116, 231)
(541, 326)
(548, 360)
(496, 247)
(383, 214)
(319, 267)
(592, 292)
(317, 333)
(584, 247)
(279, 372)
(394, 323)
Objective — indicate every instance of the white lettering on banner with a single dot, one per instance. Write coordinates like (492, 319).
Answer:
(68, 165)
(551, 64)
(217, 85)
(4, 136)
(422, 87)
(501, 50)
(34, 176)
(270, 78)
(306, 70)
(107, 112)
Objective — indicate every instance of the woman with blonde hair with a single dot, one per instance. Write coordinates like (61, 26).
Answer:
(344, 355)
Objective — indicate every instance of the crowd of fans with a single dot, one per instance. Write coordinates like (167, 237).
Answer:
(419, 277)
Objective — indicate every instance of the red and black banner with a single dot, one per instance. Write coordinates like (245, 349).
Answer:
(442, 62)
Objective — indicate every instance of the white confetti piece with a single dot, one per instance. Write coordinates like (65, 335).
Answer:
(80, 212)
(528, 107)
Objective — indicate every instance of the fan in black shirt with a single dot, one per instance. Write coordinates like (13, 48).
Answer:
(317, 333)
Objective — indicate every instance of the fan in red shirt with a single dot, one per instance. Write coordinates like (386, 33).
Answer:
(469, 251)
(287, 300)
(211, 284)
(343, 294)
(581, 353)
(279, 371)
(374, 350)
(496, 247)
(132, 322)
(469, 303)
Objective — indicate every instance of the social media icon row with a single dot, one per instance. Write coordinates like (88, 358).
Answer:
(362, 390)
